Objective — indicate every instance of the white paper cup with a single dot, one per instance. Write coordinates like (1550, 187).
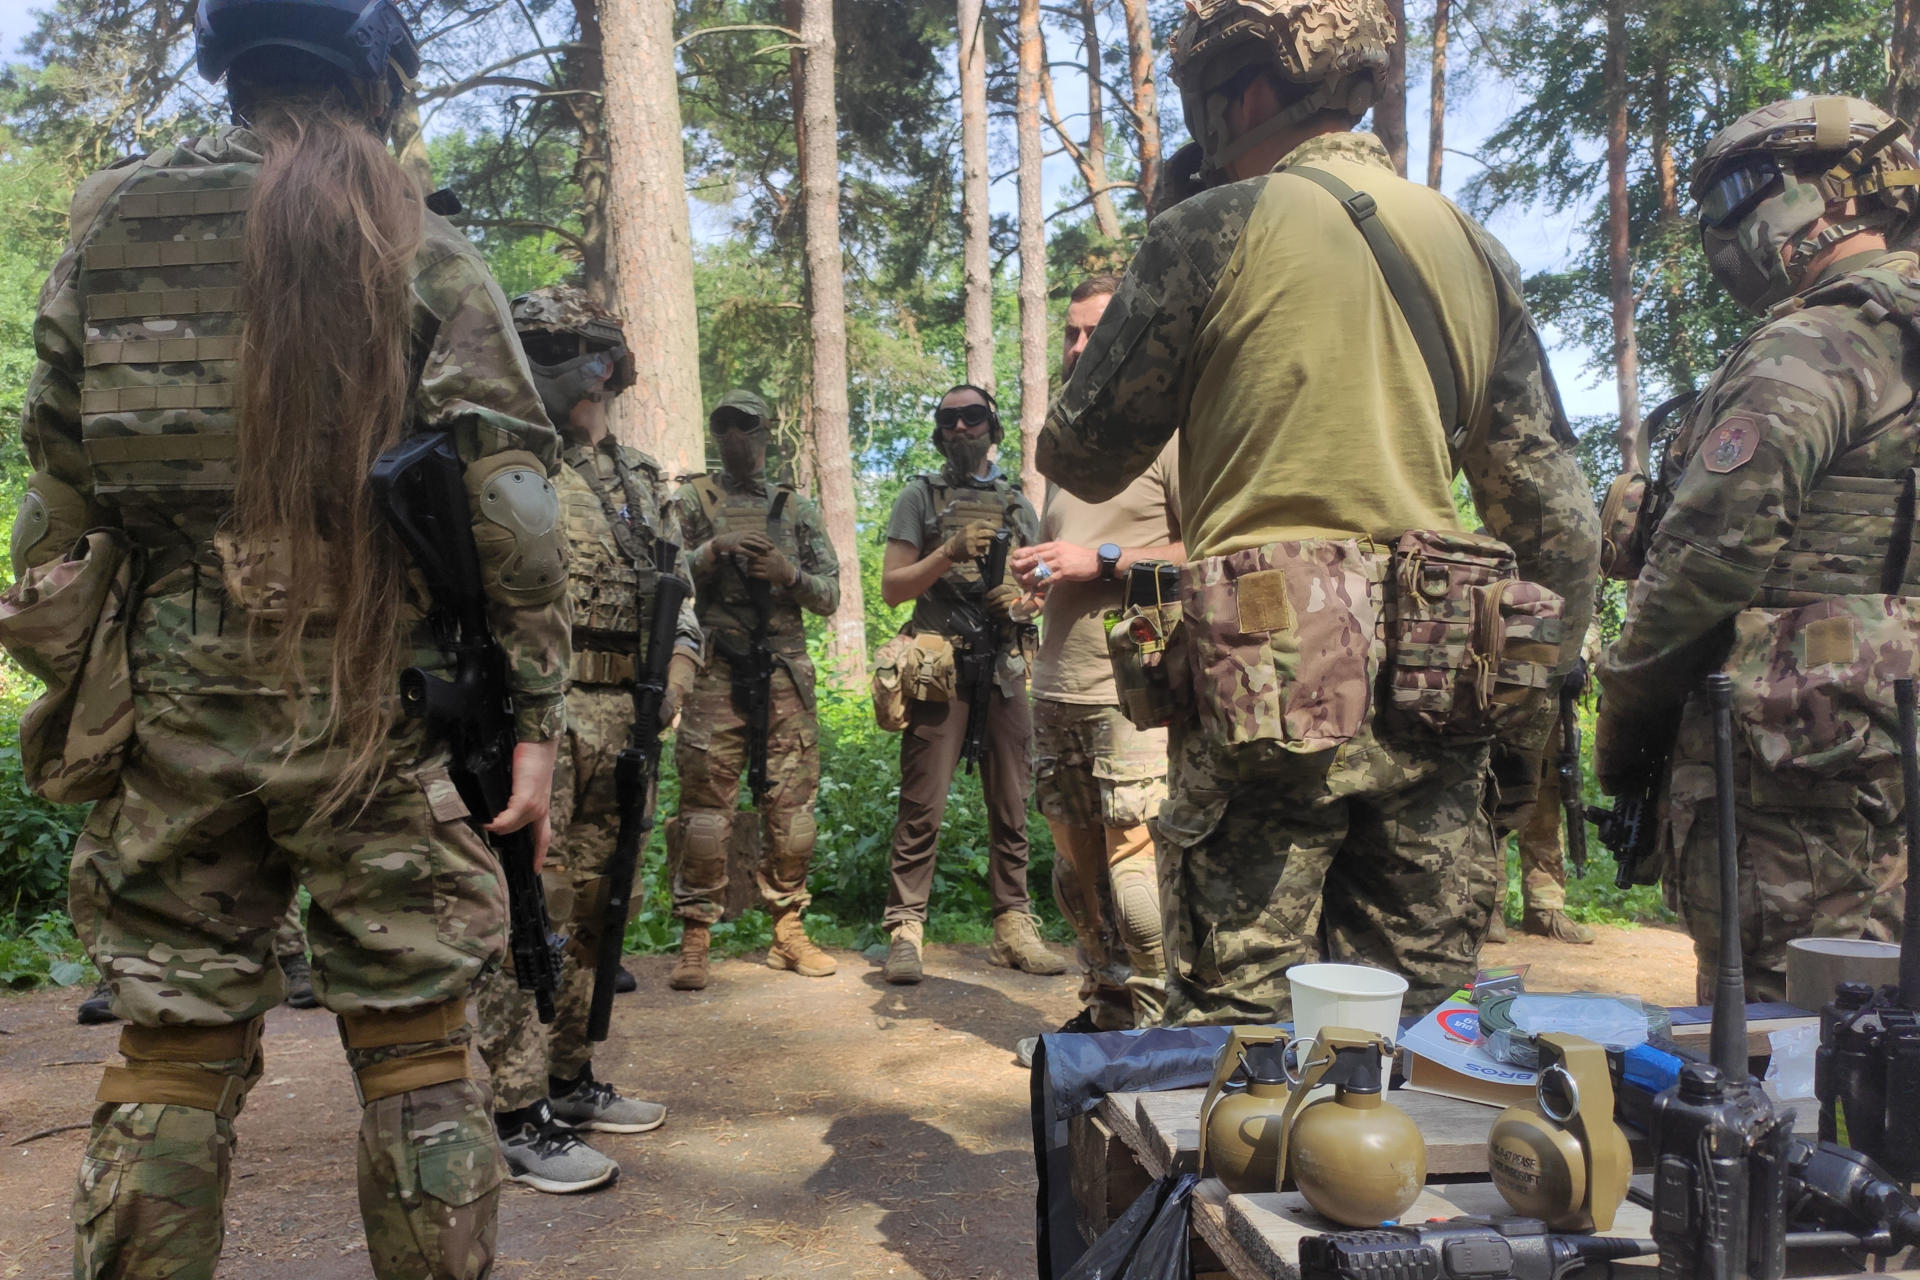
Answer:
(1346, 995)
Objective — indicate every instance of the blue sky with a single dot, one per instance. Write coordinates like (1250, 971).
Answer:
(1539, 241)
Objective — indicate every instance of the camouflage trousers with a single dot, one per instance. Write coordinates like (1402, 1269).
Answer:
(179, 884)
(1098, 780)
(520, 1051)
(1822, 858)
(1373, 853)
(1541, 841)
(290, 939)
(710, 752)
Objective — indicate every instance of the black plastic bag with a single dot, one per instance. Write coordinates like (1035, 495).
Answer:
(1149, 1240)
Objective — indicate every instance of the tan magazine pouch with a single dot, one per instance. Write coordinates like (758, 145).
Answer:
(1147, 647)
(66, 623)
(911, 668)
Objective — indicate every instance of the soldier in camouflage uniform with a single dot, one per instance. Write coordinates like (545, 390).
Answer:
(1777, 545)
(940, 524)
(744, 531)
(228, 798)
(614, 509)
(1322, 413)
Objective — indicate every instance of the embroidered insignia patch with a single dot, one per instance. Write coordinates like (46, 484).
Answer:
(1732, 444)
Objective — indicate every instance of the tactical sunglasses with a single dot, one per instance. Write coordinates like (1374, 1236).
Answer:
(555, 354)
(1733, 194)
(726, 420)
(971, 414)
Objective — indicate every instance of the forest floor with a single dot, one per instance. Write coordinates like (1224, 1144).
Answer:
(833, 1126)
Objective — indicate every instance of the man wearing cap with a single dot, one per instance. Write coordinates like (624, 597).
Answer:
(759, 555)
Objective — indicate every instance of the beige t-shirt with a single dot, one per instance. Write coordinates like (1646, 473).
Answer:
(1073, 665)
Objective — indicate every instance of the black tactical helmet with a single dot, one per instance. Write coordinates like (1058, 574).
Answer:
(367, 40)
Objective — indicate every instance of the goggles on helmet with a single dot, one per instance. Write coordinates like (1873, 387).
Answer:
(1733, 195)
(971, 414)
(731, 419)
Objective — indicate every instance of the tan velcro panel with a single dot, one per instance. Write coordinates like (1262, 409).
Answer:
(172, 447)
(98, 400)
(186, 204)
(415, 1071)
(382, 1029)
(142, 303)
(174, 1085)
(191, 1044)
(147, 254)
(162, 350)
(593, 666)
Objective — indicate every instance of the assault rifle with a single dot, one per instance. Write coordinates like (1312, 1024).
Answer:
(634, 771)
(978, 634)
(1568, 766)
(1630, 831)
(753, 668)
(421, 486)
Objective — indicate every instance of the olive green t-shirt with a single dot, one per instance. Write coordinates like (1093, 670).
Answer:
(1073, 665)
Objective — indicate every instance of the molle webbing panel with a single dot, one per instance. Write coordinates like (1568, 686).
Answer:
(1851, 528)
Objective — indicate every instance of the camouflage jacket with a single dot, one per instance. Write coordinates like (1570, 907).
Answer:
(1824, 388)
(474, 384)
(1239, 324)
(799, 532)
(615, 502)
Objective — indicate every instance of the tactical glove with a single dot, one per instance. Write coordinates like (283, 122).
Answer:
(680, 671)
(772, 566)
(1000, 600)
(969, 543)
(740, 542)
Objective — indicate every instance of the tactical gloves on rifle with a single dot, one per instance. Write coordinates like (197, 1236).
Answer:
(1000, 600)
(969, 543)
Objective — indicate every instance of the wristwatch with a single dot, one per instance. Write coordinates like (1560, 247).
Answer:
(1109, 553)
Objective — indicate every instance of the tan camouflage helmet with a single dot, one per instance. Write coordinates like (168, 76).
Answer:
(1338, 46)
(572, 342)
(1768, 177)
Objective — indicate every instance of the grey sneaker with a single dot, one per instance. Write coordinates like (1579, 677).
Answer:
(548, 1157)
(587, 1103)
(299, 982)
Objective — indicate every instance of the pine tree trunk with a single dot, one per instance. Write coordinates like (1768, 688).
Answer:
(1104, 216)
(1626, 352)
(817, 128)
(1146, 97)
(1390, 110)
(588, 81)
(1666, 178)
(1437, 102)
(976, 262)
(1903, 61)
(651, 237)
(1033, 255)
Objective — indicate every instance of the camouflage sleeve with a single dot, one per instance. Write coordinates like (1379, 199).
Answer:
(1526, 481)
(818, 590)
(1129, 391)
(687, 634)
(1779, 417)
(475, 385)
(696, 559)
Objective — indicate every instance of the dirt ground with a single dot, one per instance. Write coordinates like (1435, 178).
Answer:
(828, 1126)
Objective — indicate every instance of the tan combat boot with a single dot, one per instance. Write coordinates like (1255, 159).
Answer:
(903, 955)
(1017, 945)
(793, 949)
(690, 970)
(1551, 922)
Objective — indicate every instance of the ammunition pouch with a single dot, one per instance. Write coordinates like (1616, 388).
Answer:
(428, 1030)
(1282, 644)
(602, 666)
(66, 622)
(1472, 648)
(912, 668)
(168, 1066)
(1148, 651)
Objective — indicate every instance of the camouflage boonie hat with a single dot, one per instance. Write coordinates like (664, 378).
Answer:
(1338, 45)
(746, 402)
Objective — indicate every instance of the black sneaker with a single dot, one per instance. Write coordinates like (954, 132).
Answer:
(625, 982)
(299, 982)
(548, 1157)
(1079, 1024)
(98, 1007)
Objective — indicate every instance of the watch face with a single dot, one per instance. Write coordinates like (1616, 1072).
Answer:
(1109, 554)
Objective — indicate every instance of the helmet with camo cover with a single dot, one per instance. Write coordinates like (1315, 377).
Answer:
(1766, 179)
(1337, 47)
(571, 342)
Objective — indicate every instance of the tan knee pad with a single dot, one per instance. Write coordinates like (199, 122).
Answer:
(210, 1068)
(792, 836)
(398, 1051)
(1136, 891)
(703, 835)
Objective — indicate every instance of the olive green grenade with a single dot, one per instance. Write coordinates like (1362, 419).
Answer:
(1358, 1159)
(1561, 1158)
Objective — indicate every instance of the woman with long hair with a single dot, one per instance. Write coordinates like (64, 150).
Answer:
(243, 323)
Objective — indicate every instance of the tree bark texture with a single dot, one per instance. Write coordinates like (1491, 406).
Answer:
(1146, 97)
(1390, 107)
(1033, 254)
(1903, 61)
(818, 131)
(976, 264)
(651, 238)
(1626, 351)
(1437, 98)
(1104, 216)
(1660, 113)
(586, 77)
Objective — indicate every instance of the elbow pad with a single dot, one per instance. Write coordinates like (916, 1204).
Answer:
(516, 529)
(51, 518)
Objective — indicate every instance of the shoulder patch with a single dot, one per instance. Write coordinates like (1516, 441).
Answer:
(1731, 444)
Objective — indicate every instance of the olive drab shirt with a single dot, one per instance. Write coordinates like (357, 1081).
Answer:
(614, 502)
(1256, 322)
(933, 507)
(719, 502)
(131, 406)
(1785, 479)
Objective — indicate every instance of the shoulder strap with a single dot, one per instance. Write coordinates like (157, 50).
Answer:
(1415, 303)
(709, 494)
(780, 495)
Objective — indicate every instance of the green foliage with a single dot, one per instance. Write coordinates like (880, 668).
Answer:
(43, 953)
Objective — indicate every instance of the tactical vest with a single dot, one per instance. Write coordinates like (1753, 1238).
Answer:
(725, 605)
(611, 577)
(955, 507)
(159, 281)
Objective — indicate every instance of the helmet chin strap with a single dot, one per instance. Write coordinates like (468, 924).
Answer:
(1807, 248)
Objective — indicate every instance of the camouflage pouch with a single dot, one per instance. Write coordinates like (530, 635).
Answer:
(1146, 647)
(66, 623)
(1281, 642)
(1622, 549)
(1517, 631)
(1813, 686)
(893, 668)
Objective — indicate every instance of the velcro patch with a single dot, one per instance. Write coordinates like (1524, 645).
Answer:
(1262, 597)
(1730, 445)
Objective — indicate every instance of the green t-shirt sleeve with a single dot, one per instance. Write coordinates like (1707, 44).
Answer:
(910, 516)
